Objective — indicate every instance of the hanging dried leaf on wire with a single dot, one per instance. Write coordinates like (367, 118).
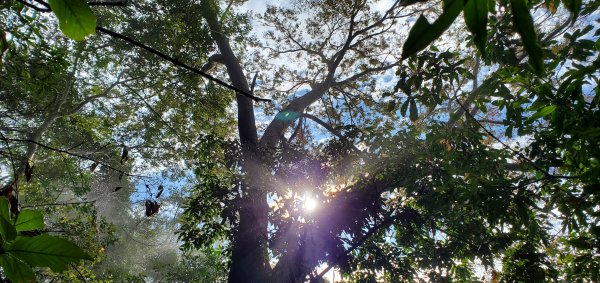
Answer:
(161, 188)
(28, 171)
(93, 166)
(152, 207)
(125, 154)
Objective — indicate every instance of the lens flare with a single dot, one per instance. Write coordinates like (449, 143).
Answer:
(309, 203)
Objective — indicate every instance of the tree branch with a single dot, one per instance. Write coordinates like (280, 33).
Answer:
(330, 129)
(364, 73)
(172, 60)
(517, 153)
(387, 220)
(37, 8)
(215, 58)
(108, 3)
(102, 94)
(178, 63)
(76, 155)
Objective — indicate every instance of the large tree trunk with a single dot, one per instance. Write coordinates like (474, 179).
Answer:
(249, 261)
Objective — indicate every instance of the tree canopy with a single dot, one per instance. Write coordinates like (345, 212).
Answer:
(381, 141)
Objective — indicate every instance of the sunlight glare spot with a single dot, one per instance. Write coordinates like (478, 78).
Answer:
(310, 204)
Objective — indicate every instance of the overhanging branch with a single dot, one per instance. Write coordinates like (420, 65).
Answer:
(164, 56)
(75, 155)
(329, 128)
(178, 63)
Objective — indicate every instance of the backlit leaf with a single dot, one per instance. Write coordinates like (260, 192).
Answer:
(574, 6)
(414, 113)
(75, 18)
(7, 230)
(15, 270)
(46, 250)
(29, 220)
(524, 24)
(423, 33)
(476, 14)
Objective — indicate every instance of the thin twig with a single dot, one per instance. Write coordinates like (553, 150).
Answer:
(108, 3)
(386, 221)
(164, 56)
(78, 272)
(516, 152)
(330, 129)
(178, 63)
(59, 204)
(78, 155)
(39, 9)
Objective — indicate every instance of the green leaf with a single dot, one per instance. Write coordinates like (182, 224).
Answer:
(75, 18)
(391, 106)
(591, 189)
(580, 243)
(414, 113)
(545, 111)
(46, 250)
(7, 230)
(595, 231)
(476, 16)
(15, 270)
(3, 45)
(492, 6)
(523, 212)
(404, 108)
(591, 133)
(4, 208)
(29, 220)
(423, 33)
(574, 6)
(524, 24)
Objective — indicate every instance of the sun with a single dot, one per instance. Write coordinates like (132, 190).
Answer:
(309, 204)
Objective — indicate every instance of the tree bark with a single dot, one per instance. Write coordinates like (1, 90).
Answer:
(249, 261)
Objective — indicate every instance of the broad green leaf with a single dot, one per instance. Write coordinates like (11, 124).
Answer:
(591, 189)
(522, 212)
(543, 112)
(75, 18)
(4, 208)
(46, 250)
(423, 33)
(524, 24)
(28, 220)
(7, 230)
(595, 231)
(580, 243)
(404, 108)
(558, 119)
(3, 45)
(391, 106)
(15, 270)
(574, 6)
(591, 133)
(287, 116)
(476, 15)
(414, 113)
(492, 6)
